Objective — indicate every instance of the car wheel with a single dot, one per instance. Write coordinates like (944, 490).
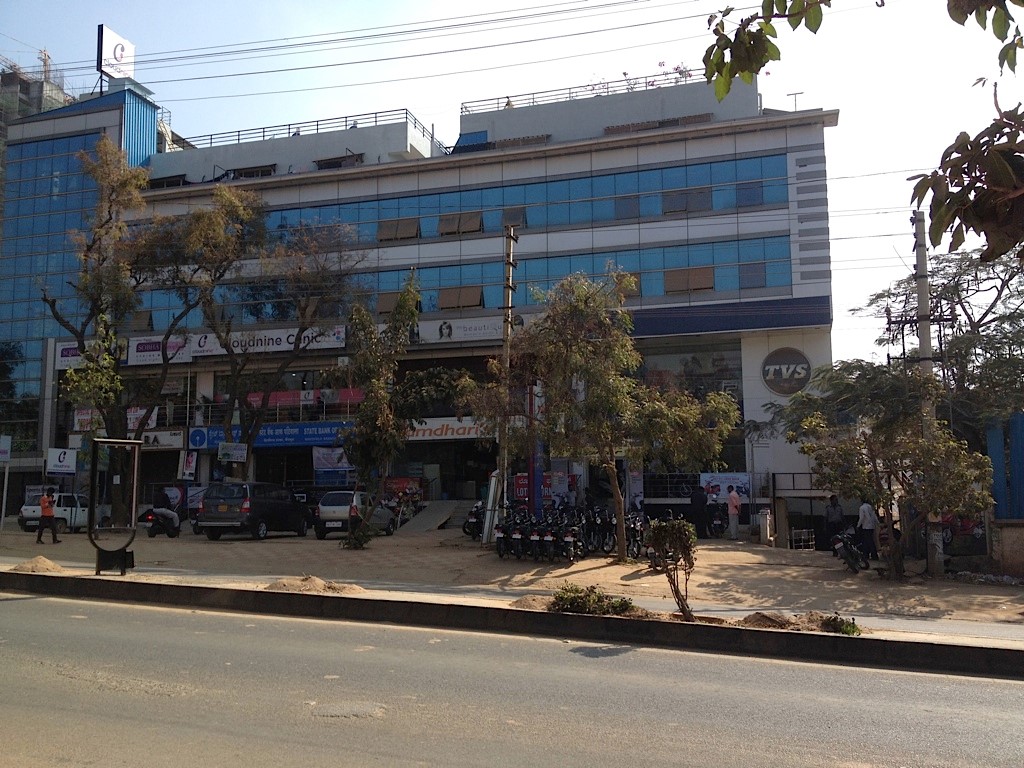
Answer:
(259, 531)
(173, 533)
(303, 528)
(196, 529)
(213, 535)
(62, 526)
(321, 533)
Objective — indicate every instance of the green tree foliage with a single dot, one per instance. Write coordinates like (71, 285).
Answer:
(866, 429)
(979, 184)
(392, 403)
(581, 358)
(676, 540)
(978, 308)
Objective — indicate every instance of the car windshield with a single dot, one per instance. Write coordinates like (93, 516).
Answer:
(225, 491)
(33, 500)
(336, 499)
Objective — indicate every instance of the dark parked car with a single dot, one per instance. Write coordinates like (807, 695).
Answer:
(253, 508)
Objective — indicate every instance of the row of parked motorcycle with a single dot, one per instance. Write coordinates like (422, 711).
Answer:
(563, 532)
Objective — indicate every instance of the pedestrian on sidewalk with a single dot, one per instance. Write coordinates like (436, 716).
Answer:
(867, 521)
(734, 513)
(833, 520)
(46, 519)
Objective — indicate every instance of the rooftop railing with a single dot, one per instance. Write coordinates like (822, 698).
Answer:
(365, 120)
(628, 84)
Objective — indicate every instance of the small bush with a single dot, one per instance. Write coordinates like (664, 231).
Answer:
(572, 598)
(839, 625)
(359, 537)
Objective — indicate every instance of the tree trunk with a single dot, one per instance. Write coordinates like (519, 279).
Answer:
(620, 516)
(672, 574)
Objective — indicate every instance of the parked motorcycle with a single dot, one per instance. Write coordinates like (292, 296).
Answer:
(474, 525)
(718, 517)
(160, 520)
(845, 545)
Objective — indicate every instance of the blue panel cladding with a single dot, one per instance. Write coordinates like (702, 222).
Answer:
(1015, 508)
(139, 129)
(737, 316)
(997, 455)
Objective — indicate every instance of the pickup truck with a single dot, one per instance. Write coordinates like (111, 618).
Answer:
(71, 511)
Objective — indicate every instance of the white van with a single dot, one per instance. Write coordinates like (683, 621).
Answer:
(70, 510)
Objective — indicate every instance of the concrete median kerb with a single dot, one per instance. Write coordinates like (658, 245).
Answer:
(368, 607)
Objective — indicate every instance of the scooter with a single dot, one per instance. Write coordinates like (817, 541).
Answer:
(718, 516)
(160, 520)
(474, 525)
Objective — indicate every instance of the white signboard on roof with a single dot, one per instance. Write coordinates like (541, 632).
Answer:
(115, 56)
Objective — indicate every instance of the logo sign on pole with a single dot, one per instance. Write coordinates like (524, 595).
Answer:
(5, 448)
(233, 452)
(786, 371)
(187, 465)
(61, 461)
(115, 56)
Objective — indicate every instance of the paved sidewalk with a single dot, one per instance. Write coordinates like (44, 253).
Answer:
(731, 579)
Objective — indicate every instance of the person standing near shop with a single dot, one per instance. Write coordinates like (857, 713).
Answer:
(867, 521)
(46, 517)
(734, 513)
(833, 520)
(699, 512)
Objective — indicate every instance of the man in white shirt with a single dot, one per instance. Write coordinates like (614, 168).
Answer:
(868, 523)
(734, 513)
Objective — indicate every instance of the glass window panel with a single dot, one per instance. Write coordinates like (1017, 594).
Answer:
(472, 274)
(557, 214)
(701, 255)
(470, 200)
(581, 263)
(520, 296)
(532, 269)
(726, 253)
(492, 198)
(603, 209)
(698, 175)
(492, 272)
(559, 267)
(751, 250)
(748, 169)
(603, 186)
(723, 172)
(428, 226)
(580, 189)
(627, 261)
(429, 204)
(408, 207)
(727, 278)
(449, 202)
(389, 281)
(652, 283)
(673, 178)
(626, 183)
(514, 195)
(492, 220)
(627, 207)
(776, 248)
(428, 300)
(387, 209)
(450, 276)
(581, 212)
(778, 274)
(752, 276)
(537, 216)
(493, 296)
(429, 277)
(652, 258)
(650, 205)
(557, 191)
(649, 181)
(676, 257)
(748, 193)
(723, 197)
(535, 193)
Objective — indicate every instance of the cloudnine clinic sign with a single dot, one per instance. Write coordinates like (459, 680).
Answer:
(268, 340)
(115, 56)
(786, 371)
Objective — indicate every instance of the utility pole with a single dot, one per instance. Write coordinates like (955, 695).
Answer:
(506, 351)
(935, 557)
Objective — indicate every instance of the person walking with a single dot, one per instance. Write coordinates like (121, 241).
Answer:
(46, 517)
(833, 520)
(867, 521)
(699, 513)
(734, 513)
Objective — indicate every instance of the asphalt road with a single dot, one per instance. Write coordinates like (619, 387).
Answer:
(90, 683)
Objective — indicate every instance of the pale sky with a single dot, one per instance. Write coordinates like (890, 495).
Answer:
(901, 77)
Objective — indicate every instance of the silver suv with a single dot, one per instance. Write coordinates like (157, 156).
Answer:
(335, 508)
(253, 508)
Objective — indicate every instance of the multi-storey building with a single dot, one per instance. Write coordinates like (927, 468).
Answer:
(720, 210)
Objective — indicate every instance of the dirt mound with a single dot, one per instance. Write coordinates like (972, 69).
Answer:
(39, 564)
(765, 620)
(313, 585)
(532, 603)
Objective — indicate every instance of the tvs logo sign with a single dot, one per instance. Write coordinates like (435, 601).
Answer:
(786, 371)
